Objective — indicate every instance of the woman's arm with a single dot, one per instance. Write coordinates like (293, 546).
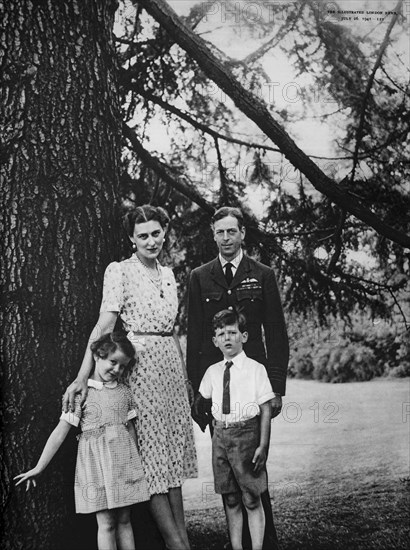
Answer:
(132, 432)
(188, 383)
(54, 442)
(105, 323)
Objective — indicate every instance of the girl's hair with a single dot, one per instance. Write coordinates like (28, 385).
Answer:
(110, 343)
(142, 214)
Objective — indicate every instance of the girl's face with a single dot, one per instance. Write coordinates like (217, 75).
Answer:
(110, 368)
(149, 238)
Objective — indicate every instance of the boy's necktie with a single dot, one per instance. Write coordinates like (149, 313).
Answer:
(226, 398)
(228, 273)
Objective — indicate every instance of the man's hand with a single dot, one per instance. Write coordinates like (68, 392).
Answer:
(201, 411)
(259, 459)
(276, 405)
(78, 386)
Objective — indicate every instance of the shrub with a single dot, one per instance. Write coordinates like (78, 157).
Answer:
(362, 352)
(301, 365)
(401, 371)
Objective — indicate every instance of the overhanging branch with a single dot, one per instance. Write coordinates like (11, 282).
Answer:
(163, 171)
(257, 111)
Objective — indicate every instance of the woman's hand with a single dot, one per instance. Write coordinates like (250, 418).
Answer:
(78, 386)
(28, 477)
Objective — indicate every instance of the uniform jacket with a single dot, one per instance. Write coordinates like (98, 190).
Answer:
(255, 291)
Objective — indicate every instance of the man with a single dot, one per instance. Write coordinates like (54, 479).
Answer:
(235, 280)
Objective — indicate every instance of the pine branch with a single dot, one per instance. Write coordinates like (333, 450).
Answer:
(195, 123)
(164, 172)
(338, 240)
(257, 111)
(383, 47)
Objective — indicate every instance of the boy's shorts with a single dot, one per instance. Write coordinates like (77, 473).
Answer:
(232, 452)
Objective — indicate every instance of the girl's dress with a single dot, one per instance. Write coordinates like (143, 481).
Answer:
(108, 473)
(164, 424)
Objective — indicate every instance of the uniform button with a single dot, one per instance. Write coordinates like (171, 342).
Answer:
(230, 307)
(229, 291)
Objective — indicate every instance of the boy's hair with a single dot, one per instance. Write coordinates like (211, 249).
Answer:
(228, 211)
(110, 343)
(228, 317)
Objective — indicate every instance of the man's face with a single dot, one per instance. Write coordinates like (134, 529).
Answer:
(228, 237)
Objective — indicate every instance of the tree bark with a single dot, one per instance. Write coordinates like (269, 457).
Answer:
(257, 111)
(59, 223)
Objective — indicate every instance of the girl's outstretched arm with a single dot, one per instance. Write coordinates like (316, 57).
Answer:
(54, 442)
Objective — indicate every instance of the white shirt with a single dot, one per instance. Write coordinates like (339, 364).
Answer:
(235, 262)
(249, 387)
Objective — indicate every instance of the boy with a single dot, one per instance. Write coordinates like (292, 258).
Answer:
(241, 392)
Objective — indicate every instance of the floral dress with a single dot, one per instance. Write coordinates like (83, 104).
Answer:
(163, 422)
(108, 472)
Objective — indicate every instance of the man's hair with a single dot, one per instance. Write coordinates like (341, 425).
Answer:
(228, 317)
(228, 211)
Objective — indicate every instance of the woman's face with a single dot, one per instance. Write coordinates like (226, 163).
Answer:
(149, 238)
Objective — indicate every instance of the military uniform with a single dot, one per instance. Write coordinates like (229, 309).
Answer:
(255, 292)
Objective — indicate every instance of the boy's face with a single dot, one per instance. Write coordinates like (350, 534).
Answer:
(230, 340)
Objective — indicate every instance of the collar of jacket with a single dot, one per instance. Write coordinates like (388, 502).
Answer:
(218, 275)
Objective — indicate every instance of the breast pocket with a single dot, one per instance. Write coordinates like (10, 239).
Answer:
(212, 298)
(249, 293)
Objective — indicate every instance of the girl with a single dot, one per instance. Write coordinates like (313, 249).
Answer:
(109, 476)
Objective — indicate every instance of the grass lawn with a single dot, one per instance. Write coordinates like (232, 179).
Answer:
(338, 470)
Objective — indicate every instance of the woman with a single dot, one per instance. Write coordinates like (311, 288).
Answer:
(144, 294)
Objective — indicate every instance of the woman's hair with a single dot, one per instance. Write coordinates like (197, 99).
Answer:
(228, 211)
(110, 343)
(142, 214)
(228, 317)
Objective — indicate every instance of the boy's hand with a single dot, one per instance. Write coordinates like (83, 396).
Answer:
(29, 477)
(259, 459)
(276, 405)
(78, 386)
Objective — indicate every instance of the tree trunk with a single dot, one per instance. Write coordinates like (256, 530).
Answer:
(59, 222)
(256, 110)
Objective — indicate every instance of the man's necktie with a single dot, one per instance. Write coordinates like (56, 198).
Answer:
(228, 273)
(226, 398)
